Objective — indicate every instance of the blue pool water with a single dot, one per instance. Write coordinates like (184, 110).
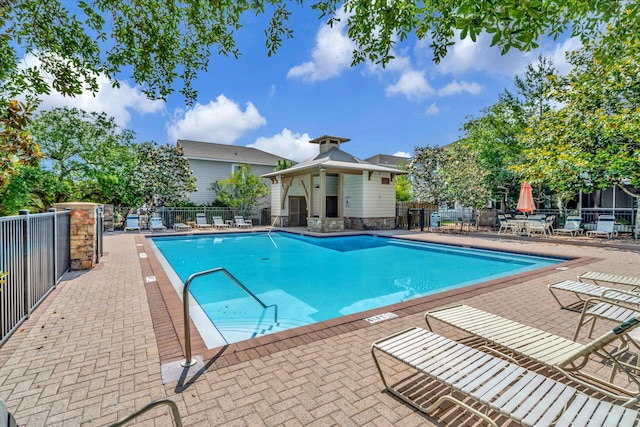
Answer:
(315, 279)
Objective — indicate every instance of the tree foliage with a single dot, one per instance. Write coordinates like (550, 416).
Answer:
(162, 46)
(494, 136)
(87, 152)
(162, 175)
(283, 164)
(591, 141)
(16, 143)
(428, 183)
(241, 191)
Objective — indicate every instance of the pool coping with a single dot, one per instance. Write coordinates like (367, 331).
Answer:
(167, 311)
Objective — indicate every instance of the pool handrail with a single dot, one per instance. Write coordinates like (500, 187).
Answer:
(188, 360)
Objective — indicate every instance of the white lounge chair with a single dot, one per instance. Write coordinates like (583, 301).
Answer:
(180, 226)
(132, 222)
(604, 227)
(536, 224)
(201, 221)
(157, 225)
(598, 308)
(561, 354)
(526, 397)
(241, 223)
(593, 291)
(571, 226)
(219, 223)
(596, 278)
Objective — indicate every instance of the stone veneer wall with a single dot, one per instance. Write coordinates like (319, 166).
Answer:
(370, 223)
(84, 234)
(325, 225)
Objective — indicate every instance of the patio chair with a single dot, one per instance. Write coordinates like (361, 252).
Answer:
(536, 224)
(507, 225)
(561, 354)
(526, 397)
(571, 226)
(132, 222)
(180, 226)
(593, 291)
(604, 227)
(590, 290)
(241, 223)
(596, 278)
(601, 309)
(219, 223)
(156, 224)
(201, 221)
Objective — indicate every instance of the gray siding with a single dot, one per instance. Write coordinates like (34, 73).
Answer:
(207, 172)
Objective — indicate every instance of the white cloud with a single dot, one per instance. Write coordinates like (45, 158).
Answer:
(467, 55)
(413, 84)
(221, 121)
(115, 102)
(456, 87)
(432, 110)
(558, 56)
(292, 146)
(402, 154)
(331, 55)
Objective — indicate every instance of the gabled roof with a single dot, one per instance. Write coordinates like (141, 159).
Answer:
(333, 159)
(387, 160)
(227, 153)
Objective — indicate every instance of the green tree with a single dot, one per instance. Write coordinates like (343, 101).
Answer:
(241, 191)
(464, 177)
(87, 152)
(16, 143)
(403, 188)
(164, 45)
(428, 182)
(31, 188)
(494, 136)
(162, 175)
(283, 164)
(591, 141)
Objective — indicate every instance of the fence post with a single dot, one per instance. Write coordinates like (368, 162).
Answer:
(409, 219)
(55, 246)
(422, 219)
(27, 261)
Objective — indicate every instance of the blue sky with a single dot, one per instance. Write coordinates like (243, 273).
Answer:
(308, 89)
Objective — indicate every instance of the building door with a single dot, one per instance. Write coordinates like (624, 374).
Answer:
(297, 211)
(332, 206)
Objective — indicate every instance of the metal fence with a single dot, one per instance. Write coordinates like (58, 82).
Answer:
(172, 215)
(35, 253)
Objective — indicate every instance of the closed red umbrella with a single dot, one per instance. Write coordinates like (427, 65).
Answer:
(525, 201)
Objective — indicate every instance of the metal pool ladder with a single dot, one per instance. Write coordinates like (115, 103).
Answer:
(188, 360)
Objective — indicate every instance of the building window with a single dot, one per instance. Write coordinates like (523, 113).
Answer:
(386, 181)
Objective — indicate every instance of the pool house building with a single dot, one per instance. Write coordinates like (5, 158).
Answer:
(334, 191)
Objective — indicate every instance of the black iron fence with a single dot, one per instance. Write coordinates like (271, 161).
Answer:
(34, 254)
(173, 215)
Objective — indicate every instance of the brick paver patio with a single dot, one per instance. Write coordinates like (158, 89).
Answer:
(100, 347)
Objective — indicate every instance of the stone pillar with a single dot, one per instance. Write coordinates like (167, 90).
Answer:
(84, 233)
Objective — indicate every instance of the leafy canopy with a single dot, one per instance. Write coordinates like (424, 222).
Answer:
(241, 191)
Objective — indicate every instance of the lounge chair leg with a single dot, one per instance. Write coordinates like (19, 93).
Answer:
(431, 409)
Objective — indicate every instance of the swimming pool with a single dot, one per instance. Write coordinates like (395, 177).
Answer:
(314, 279)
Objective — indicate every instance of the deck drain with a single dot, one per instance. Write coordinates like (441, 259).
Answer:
(143, 254)
(562, 268)
(150, 279)
(381, 317)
